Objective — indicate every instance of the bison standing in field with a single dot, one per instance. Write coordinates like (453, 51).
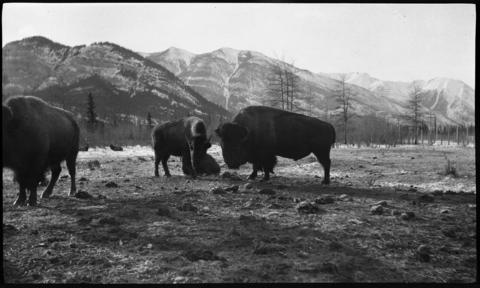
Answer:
(186, 138)
(257, 134)
(37, 136)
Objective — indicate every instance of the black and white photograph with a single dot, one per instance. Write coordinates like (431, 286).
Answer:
(190, 143)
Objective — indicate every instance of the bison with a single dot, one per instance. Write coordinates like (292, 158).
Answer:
(186, 137)
(37, 136)
(207, 166)
(258, 134)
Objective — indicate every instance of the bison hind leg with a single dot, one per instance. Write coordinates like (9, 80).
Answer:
(324, 159)
(43, 180)
(56, 169)
(71, 166)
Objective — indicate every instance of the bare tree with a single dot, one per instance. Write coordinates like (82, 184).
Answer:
(276, 88)
(149, 120)
(91, 113)
(308, 98)
(283, 88)
(414, 108)
(343, 98)
(292, 88)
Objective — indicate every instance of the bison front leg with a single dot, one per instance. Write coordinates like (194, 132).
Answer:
(165, 166)
(187, 165)
(268, 162)
(155, 165)
(32, 200)
(22, 195)
(254, 174)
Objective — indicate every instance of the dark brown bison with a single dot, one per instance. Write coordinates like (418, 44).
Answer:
(257, 134)
(186, 138)
(207, 166)
(37, 136)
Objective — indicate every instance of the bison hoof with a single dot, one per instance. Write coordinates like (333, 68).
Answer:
(45, 195)
(72, 193)
(326, 182)
(168, 175)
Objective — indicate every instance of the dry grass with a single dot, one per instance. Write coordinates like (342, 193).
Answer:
(245, 236)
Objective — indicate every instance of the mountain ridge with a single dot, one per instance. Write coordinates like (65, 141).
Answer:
(37, 64)
(221, 81)
(210, 71)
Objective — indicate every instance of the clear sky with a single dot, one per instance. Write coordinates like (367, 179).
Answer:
(399, 42)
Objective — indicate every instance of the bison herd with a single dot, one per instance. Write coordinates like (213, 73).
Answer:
(37, 136)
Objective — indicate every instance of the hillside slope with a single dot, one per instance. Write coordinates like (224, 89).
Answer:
(121, 80)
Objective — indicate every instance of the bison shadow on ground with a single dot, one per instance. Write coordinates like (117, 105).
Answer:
(153, 223)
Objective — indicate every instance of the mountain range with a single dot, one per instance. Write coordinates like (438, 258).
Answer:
(175, 82)
(238, 78)
(121, 81)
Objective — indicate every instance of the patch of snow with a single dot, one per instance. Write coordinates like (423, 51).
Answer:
(226, 85)
(159, 94)
(228, 54)
(174, 54)
(107, 153)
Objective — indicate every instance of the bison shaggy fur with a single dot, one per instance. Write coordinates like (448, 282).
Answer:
(37, 136)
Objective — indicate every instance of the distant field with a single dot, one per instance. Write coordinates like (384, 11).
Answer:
(159, 230)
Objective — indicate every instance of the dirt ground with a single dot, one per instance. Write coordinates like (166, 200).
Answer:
(290, 229)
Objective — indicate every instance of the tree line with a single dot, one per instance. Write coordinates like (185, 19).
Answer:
(127, 129)
(416, 126)
(284, 91)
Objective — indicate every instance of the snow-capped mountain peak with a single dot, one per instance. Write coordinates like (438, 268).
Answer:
(450, 86)
(230, 55)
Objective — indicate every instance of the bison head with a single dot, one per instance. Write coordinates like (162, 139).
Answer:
(233, 138)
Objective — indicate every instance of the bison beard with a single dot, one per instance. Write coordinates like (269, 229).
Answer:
(258, 134)
(37, 136)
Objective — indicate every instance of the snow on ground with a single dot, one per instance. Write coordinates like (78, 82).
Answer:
(131, 151)
(107, 153)
(389, 174)
(437, 144)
